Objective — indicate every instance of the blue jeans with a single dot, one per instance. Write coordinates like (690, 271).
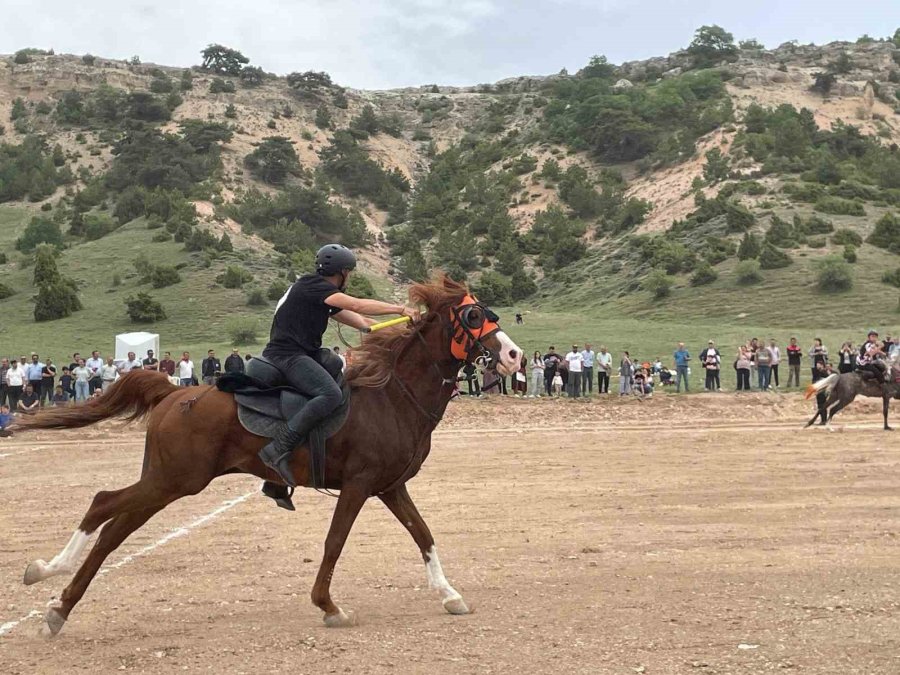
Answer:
(765, 376)
(81, 391)
(681, 374)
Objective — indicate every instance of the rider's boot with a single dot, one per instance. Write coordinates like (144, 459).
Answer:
(277, 453)
(280, 493)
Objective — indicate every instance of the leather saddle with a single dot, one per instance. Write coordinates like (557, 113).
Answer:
(265, 401)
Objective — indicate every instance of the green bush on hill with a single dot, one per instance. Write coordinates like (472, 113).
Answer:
(834, 275)
(234, 276)
(846, 236)
(142, 308)
(886, 233)
(703, 275)
(163, 276)
(273, 160)
(839, 206)
(771, 258)
(750, 247)
(39, 230)
(31, 170)
(658, 284)
(747, 272)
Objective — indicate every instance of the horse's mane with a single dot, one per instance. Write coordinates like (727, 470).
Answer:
(371, 362)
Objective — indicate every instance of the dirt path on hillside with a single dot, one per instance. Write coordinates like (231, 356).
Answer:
(703, 534)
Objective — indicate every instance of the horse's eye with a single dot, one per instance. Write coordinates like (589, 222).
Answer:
(474, 317)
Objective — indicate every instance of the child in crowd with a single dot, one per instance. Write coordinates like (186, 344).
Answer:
(60, 397)
(557, 384)
(5, 420)
(66, 383)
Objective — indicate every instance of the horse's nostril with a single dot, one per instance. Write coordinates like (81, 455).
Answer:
(513, 353)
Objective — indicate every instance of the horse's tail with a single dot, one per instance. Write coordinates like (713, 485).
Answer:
(826, 383)
(132, 397)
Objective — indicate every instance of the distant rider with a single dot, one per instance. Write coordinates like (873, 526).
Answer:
(872, 357)
(295, 340)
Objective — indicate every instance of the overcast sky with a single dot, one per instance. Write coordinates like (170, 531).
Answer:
(377, 44)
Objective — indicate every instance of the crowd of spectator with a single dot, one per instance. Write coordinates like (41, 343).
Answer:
(758, 364)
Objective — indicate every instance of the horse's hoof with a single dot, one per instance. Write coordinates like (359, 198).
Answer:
(34, 572)
(340, 619)
(53, 623)
(889, 428)
(456, 605)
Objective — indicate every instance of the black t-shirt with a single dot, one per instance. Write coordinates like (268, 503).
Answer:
(150, 362)
(28, 399)
(302, 317)
(48, 373)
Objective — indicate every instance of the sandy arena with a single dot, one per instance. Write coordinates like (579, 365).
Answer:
(708, 534)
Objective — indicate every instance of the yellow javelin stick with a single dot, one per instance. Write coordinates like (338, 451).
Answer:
(388, 323)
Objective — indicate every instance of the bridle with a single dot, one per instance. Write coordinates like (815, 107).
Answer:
(468, 324)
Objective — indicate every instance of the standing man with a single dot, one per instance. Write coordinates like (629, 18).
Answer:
(35, 374)
(94, 364)
(794, 354)
(776, 359)
(15, 383)
(76, 357)
(167, 365)
(604, 369)
(551, 363)
(210, 367)
(682, 360)
(185, 370)
(337, 351)
(4, 388)
(587, 373)
(575, 361)
(108, 374)
(234, 363)
(711, 361)
(132, 363)
(48, 381)
(151, 362)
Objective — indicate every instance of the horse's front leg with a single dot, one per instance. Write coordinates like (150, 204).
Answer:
(401, 505)
(348, 506)
(886, 402)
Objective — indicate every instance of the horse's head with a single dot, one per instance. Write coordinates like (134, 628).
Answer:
(472, 328)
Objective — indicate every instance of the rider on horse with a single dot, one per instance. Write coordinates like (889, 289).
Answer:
(872, 358)
(295, 340)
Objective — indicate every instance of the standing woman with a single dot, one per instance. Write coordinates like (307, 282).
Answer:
(818, 353)
(742, 366)
(537, 375)
(712, 363)
(847, 358)
(626, 372)
(520, 378)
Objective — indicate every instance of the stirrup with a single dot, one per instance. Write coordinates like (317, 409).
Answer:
(280, 493)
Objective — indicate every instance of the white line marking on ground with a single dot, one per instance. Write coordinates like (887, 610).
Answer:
(22, 452)
(178, 532)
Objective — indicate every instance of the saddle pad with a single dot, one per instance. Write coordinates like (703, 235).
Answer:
(262, 415)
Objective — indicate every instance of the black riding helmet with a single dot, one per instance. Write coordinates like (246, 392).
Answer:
(333, 259)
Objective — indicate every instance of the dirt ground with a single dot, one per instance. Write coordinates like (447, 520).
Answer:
(702, 534)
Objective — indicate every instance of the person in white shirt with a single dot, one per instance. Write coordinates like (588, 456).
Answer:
(15, 383)
(94, 364)
(185, 370)
(337, 350)
(575, 359)
(108, 373)
(587, 376)
(604, 368)
(133, 363)
(776, 359)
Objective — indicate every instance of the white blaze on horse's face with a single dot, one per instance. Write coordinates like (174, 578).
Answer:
(510, 354)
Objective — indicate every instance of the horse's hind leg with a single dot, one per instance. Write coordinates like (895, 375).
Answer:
(401, 505)
(103, 507)
(111, 536)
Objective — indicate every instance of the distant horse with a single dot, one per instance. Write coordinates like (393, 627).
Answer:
(402, 378)
(843, 388)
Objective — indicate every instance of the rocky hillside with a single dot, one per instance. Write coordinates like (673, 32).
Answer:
(715, 167)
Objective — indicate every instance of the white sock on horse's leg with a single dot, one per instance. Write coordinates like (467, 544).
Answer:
(64, 562)
(450, 598)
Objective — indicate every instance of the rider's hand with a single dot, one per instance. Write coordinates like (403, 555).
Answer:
(413, 313)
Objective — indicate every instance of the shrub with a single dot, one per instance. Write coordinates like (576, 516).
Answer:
(220, 86)
(834, 275)
(164, 275)
(256, 298)
(850, 253)
(39, 231)
(703, 275)
(230, 111)
(816, 242)
(747, 272)
(839, 206)
(242, 331)
(56, 300)
(116, 280)
(658, 284)
(892, 278)
(276, 289)
(144, 309)
(521, 285)
(98, 225)
(6, 291)
(886, 233)
(234, 276)
(88, 59)
(160, 237)
(360, 286)
(45, 270)
(323, 117)
(273, 160)
(771, 258)
(494, 289)
(750, 247)
(781, 233)
(3, 258)
(846, 236)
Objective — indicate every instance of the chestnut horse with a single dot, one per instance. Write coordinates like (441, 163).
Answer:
(402, 378)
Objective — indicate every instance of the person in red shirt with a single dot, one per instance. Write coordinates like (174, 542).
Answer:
(167, 365)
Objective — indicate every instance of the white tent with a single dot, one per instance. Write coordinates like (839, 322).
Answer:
(138, 343)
